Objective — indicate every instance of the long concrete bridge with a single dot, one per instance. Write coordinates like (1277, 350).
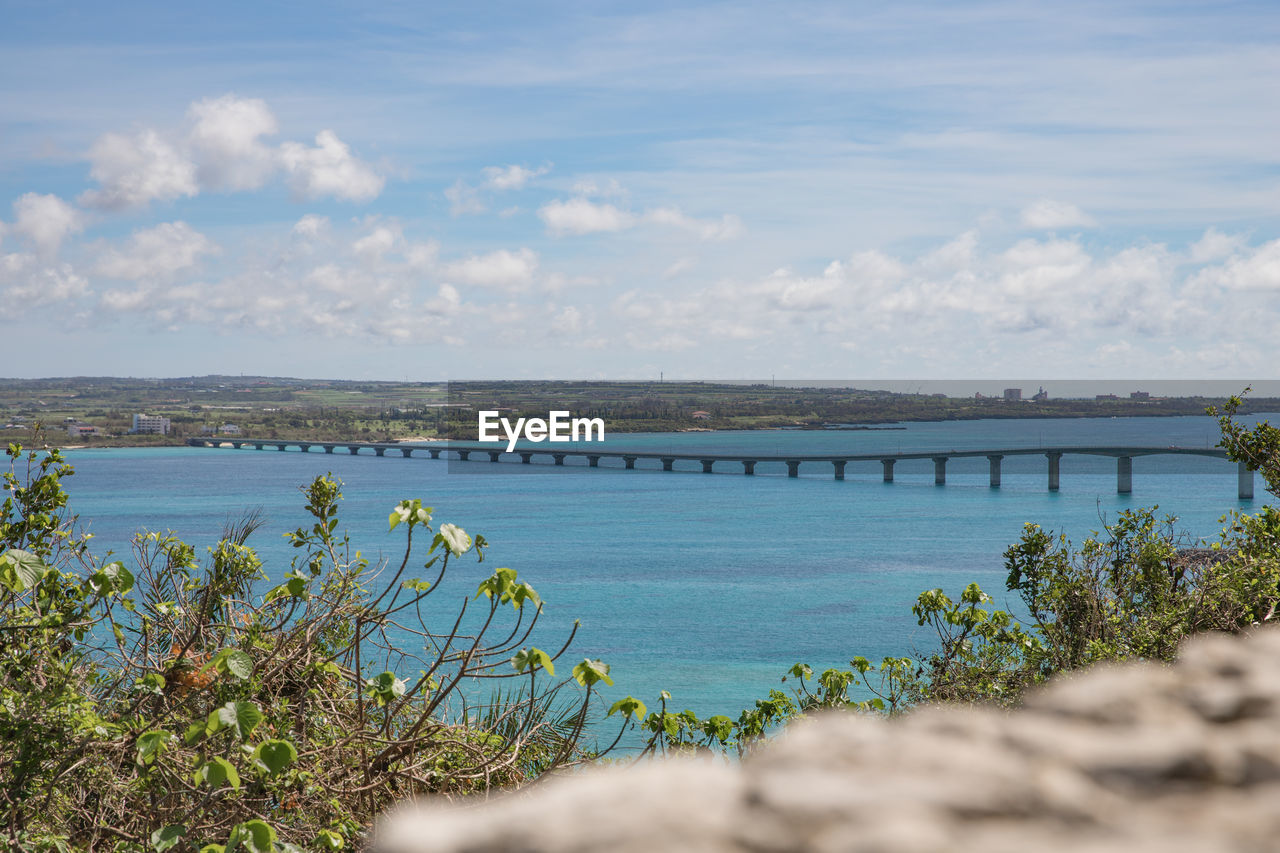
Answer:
(1124, 457)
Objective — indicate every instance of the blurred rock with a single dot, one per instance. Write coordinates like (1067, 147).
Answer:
(1128, 758)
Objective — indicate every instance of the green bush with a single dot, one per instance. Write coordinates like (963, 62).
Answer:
(175, 705)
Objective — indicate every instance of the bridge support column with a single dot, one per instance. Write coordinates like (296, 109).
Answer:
(559, 457)
(749, 467)
(464, 455)
(435, 454)
(280, 446)
(237, 444)
(1054, 459)
(495, 455)
(328, 448)
(706, 465)
(525, 458)
(593, 461)
(629, 461)
(667, 463)
(939, 470)
(352, 449)
(257, 446)
(839, 466)
(888, 469)
(995, 470)
(406, 452)
(304, 447)
(1124, 475)
(793, 468)
(380, 451)
(1244, 479)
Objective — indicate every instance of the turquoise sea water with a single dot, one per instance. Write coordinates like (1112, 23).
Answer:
(709, 586)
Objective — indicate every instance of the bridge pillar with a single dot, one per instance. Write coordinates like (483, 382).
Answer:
(629, 461)
(281, 446)
(353, 449)
(1054, 459)
(593, 461)
(666, 463)
(464, 455)
(525, 458)
(1244, 479)
(435, 454)
(793, 467)
(749, 467)
(237, 444)
(258, 445)
(939, 470)
(839, 466)
(559, 457)
(888, 469)
(995, 470)
(495, 455)
(380, 451)
(706, 465)
(1124, 475)
(304, 447)
(328, 448)
(406, 452)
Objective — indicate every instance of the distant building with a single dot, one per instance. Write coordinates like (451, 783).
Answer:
(150, 425)
(78, 430)
(1041, 395)
(1106, 397)
(1139, 395)
(702, 416)
(229, 429)
(1012, 395)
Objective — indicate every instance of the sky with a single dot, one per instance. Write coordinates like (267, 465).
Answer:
(618, 190)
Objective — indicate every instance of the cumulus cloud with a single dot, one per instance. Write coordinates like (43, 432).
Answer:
(511, 177)
(226, 141)
(1047, 214)
(134, 171)
(1215, 245)
(45, 221)
(503, 269)
(727, 227)
(580, 216)
(311, 226)
(155, 253)
(329, 169)
(27, 282)
(464, 199)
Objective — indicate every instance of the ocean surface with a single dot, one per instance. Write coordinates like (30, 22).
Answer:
(708, 586)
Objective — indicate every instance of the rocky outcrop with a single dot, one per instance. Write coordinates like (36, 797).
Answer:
(1126, 758)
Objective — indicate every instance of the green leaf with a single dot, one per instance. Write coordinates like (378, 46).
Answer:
(273, 756)
(294, 587)
(150, 745)
(327, 839)
(526, 658)
(242, 717)
(590, 671)
(214, 848)
(152, 682)
(385, 688)
(21, 570)
(218, 773)
(166, 838)
(629, 707)
(255, 835)
(194, 733)
(235, 663)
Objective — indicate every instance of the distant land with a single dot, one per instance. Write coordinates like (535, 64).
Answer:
(100, 411)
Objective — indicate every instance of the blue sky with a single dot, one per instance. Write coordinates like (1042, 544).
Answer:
(612, 190)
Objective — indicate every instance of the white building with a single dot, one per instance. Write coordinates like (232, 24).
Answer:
(229, 429)
(79, 430)
(150, 425)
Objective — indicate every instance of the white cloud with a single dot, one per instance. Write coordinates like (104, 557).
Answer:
(464, 199)
(225, 139)
(727, 227)
(379, 241)
(1254, 270)
(45, 221)
(503, 268)
(511, 177)
(580, 216)
(26, 282)
(1215, 245)
(679, 266)
(159, 252)
(329, 169)
(311, 226)
(1048, 214)
(568, 322)
(135, 171)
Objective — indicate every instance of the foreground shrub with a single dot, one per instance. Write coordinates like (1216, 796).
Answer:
(180, 705)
